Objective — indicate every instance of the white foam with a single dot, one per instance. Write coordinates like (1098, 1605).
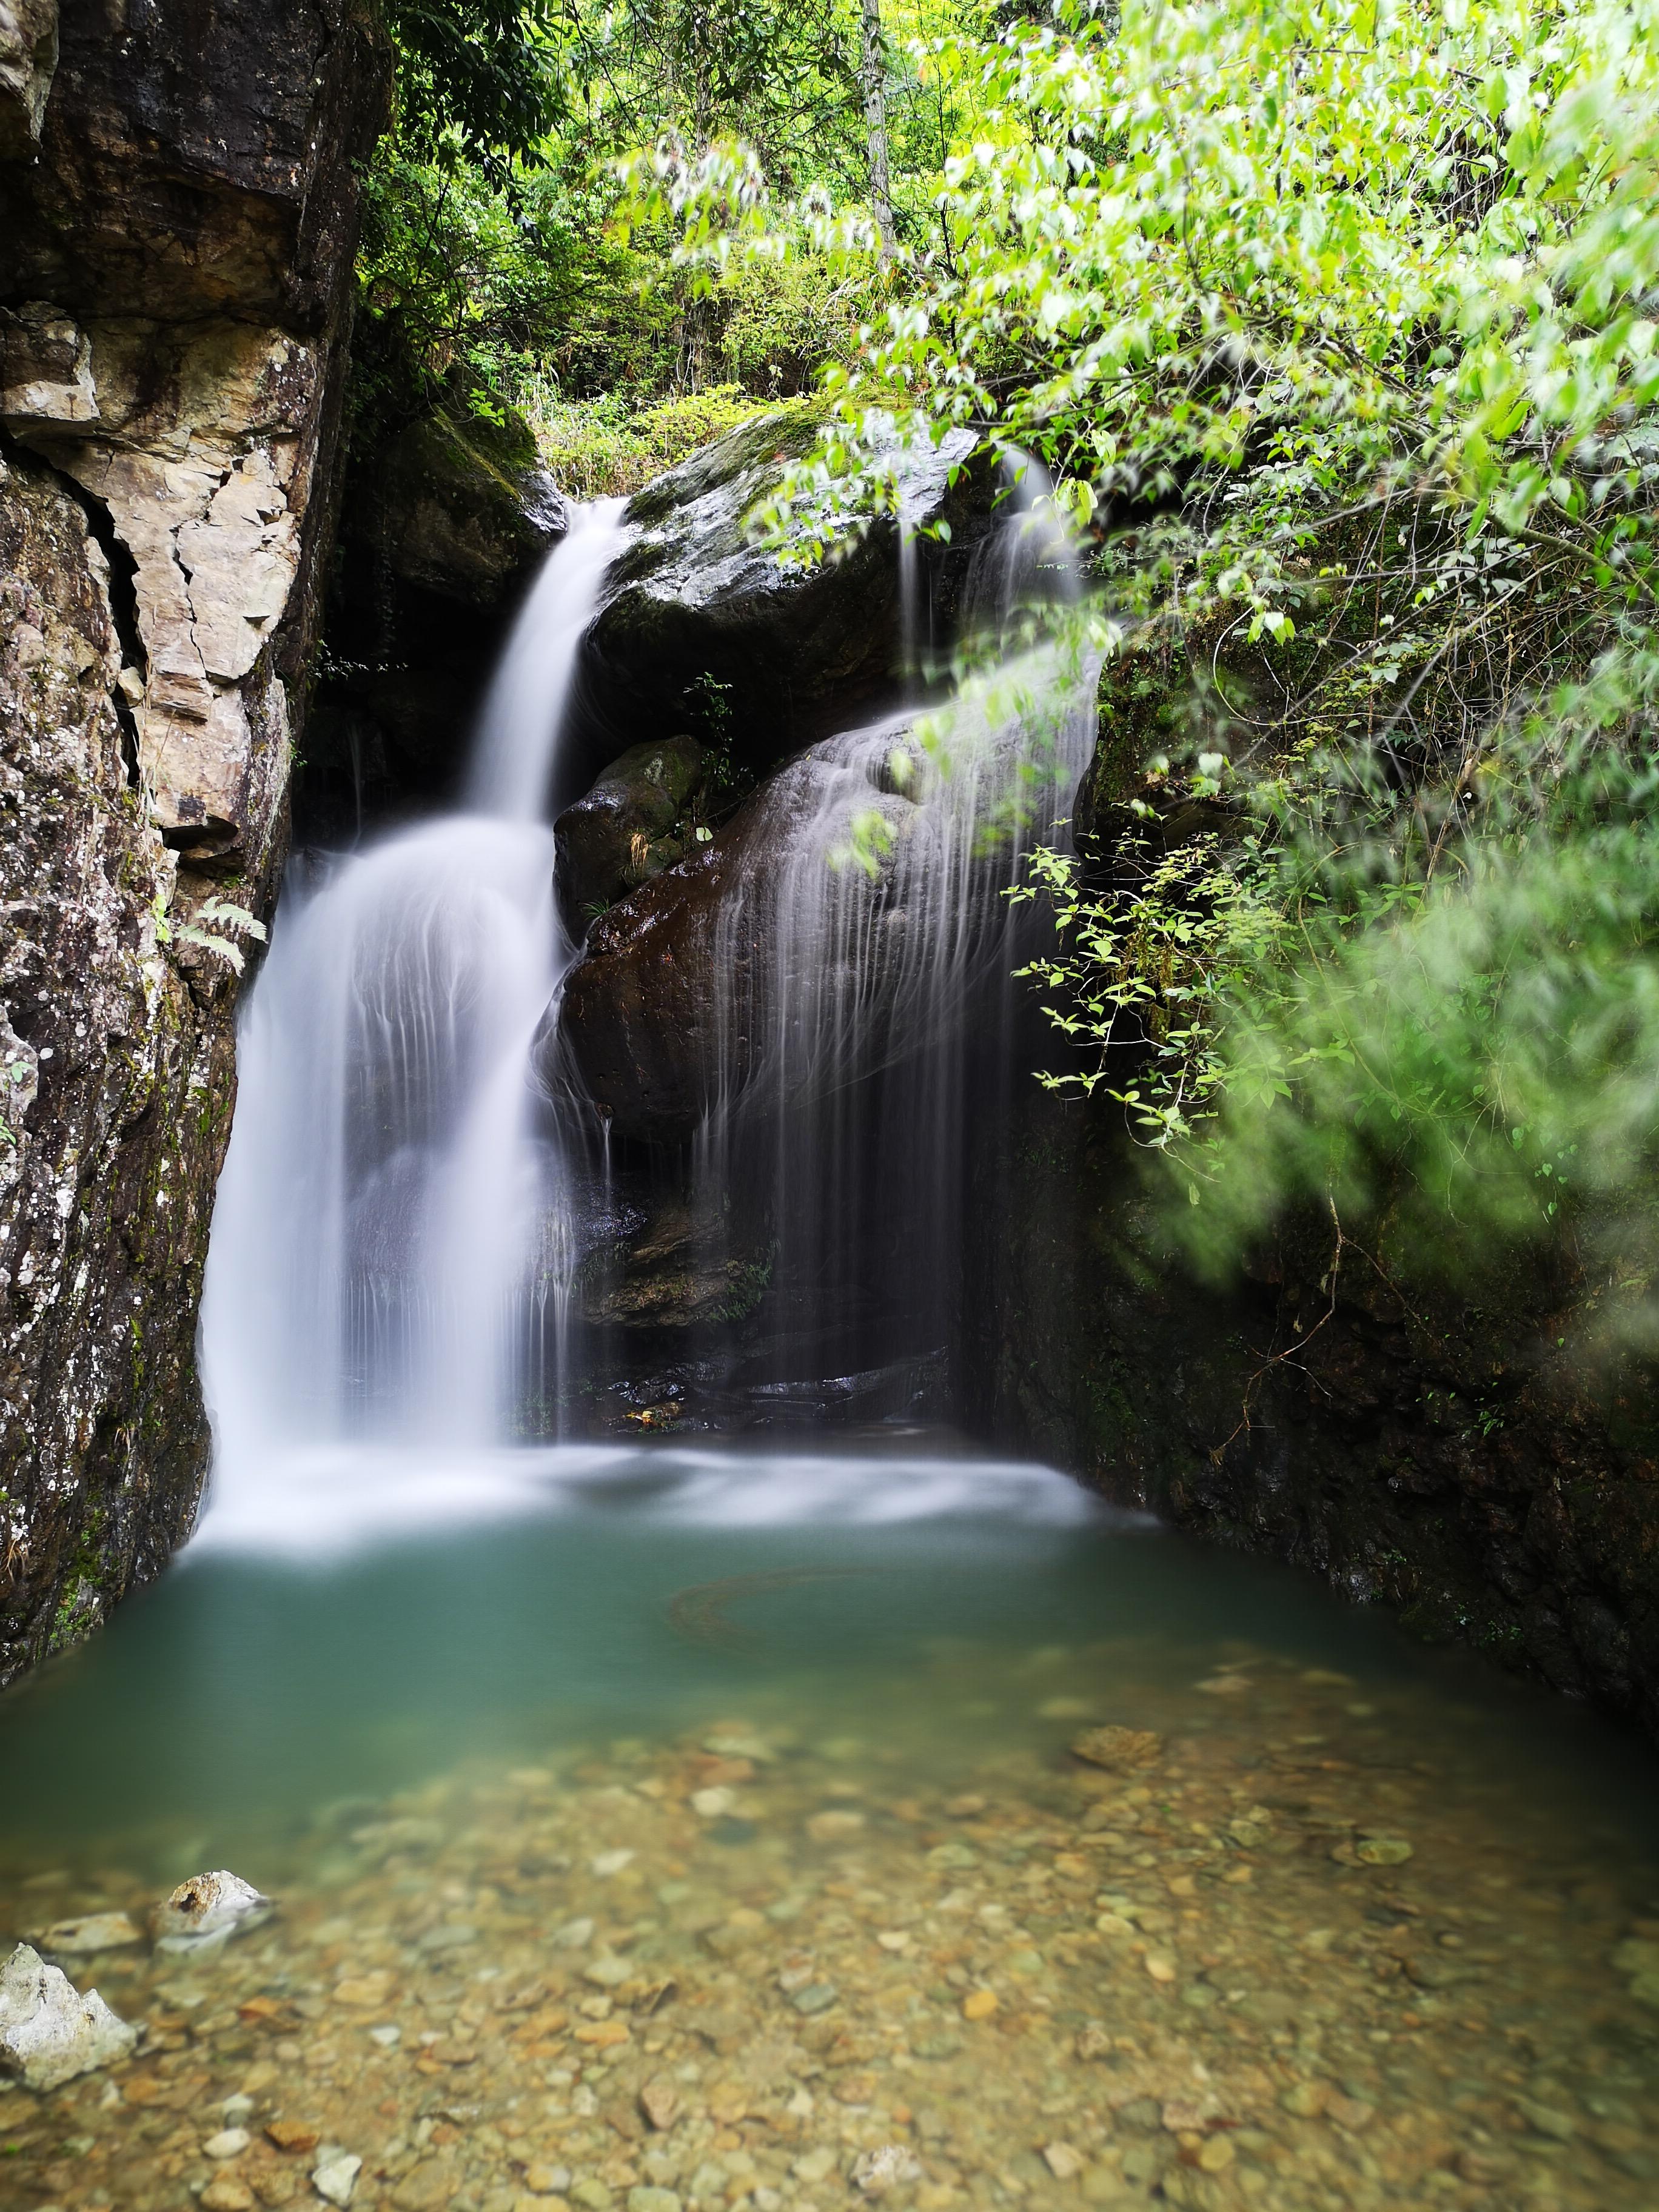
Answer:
(323, 1502)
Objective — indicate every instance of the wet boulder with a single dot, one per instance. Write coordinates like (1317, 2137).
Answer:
(631, 825)
(48, 2032)
(695, 610)
(639, 1032)
(690, 988)
(843, 920)
(443, 530)
(681, 1270)
(461, 506)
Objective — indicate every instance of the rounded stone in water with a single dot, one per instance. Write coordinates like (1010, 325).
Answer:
(1117, 1746)
(88, 1934)
(206, 1910)
(1382, 1850)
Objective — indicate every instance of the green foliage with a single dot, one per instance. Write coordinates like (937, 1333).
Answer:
(1253, 281)
(79, 1608)
(1149, 965)
(1351, 1007)
(1282, 268)
(207, 929)
(497, 260)
(505, 294)
(1471, 1040)
(782, 72)
(1338, 326)
(782, 78)
(476, 79)
(598, 448)
(1482, 1056)
(780, 322)
(1336, 323)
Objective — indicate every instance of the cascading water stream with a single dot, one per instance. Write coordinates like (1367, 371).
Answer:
(395, 1241)
(366, 1281)
(864, 962)
(534, 1726)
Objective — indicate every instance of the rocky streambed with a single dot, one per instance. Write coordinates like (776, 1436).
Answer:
(1113, 1920)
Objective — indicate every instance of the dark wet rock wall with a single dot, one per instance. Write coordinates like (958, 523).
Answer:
(699, 617)
(178, 216)
(1460, 1457)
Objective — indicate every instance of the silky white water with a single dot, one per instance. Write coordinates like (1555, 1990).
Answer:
(864, 956)
(366, 1280)
(513, 755)
(389, 1286)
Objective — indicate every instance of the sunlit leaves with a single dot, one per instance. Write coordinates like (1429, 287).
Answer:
(1431, 230)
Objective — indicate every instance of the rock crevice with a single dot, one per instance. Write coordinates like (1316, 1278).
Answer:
(177, 214)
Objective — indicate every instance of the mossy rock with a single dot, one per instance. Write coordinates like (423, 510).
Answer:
(793, 650)
(751, 448)
(462, 506)
(629, 827)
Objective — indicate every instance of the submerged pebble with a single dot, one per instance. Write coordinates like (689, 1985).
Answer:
(92, 1933)
(1264, 1956)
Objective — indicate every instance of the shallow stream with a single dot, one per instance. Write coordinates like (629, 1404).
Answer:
(679, 1828)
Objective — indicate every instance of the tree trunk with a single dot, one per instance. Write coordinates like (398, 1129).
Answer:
(875, 117)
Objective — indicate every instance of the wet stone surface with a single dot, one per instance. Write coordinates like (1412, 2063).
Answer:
(1268, 1942)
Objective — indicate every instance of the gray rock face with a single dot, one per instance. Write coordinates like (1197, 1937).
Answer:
(693, 600)
(175, 292)
(176, 269)
(622, 833)
(49, 2033)
(28, 55)
(646, 1025)
(175, 276)
(699, 631)
(195, 159)
(209, 512)
(116, 1055)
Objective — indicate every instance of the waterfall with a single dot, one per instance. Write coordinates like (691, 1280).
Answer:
(514, 752)
(863, 961)
(391, 1219)
(396, 1236)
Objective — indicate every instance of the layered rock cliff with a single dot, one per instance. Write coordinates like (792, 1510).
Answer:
(178, 218)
